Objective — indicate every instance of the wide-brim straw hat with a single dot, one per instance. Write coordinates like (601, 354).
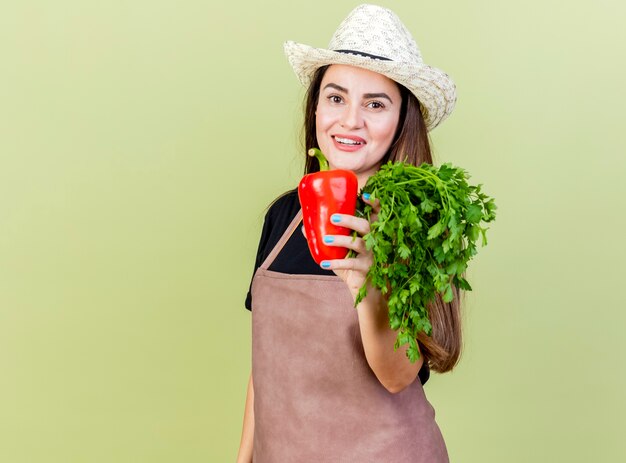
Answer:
(374, 38)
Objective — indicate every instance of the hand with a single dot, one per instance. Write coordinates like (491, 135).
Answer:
(353, 270)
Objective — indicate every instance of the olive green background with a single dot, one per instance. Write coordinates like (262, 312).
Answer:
(140, 142)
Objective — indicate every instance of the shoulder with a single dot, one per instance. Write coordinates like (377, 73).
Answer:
(285, 207)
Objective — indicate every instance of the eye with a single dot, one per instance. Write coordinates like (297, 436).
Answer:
(375, 105)
(335, 99)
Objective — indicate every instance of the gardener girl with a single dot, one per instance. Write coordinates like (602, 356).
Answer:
(326, 383)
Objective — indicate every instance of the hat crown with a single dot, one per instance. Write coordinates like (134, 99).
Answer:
(376, 31)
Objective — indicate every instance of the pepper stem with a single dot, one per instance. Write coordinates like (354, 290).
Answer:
(320, 158)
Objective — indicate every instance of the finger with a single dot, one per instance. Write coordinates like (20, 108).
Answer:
(359, 265)
(361, 226)
(351, 242)
(375, 203)
(303, 232)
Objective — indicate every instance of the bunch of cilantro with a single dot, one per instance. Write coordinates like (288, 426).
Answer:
(422, 240)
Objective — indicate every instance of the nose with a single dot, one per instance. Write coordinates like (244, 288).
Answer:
(351, 117)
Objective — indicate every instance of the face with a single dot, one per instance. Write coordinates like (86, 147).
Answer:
(356, 118)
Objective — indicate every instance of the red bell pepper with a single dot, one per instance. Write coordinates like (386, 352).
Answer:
(321, 195)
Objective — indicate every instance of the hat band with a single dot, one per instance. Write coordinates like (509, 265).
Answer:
(361, 53)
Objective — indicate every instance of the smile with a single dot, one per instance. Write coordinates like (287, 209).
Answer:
(348, 141)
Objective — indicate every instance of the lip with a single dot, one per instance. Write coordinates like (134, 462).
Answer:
(349, 148)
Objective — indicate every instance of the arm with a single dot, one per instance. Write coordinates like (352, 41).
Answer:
(392, 368)
(247, 433)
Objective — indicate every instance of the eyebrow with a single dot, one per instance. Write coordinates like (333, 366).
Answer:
(365, 95)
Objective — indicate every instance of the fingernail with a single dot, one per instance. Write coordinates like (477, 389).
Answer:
(366, 196)
(335, 218)
(329, 239)
(325, 264)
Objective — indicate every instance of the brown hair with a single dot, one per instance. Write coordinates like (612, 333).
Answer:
(411, 144)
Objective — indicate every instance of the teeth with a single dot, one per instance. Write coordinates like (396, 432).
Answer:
(347, 141)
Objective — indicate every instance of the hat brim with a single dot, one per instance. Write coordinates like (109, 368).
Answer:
(434, 89)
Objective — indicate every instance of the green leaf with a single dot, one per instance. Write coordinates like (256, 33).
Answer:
(404, 252)
(427, 205)
(435, 230)
(413, 354)
(472, 232)
(474, 213)
(462, 283)
(483, 231)
(446, 171)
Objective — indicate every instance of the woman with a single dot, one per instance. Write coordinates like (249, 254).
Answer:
(326, 383)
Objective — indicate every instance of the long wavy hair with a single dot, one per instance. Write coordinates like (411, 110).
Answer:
(442, 349)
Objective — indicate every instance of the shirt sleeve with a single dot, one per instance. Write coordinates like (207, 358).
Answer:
(424, 373)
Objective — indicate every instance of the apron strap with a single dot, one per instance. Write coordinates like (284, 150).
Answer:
(283, 239)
